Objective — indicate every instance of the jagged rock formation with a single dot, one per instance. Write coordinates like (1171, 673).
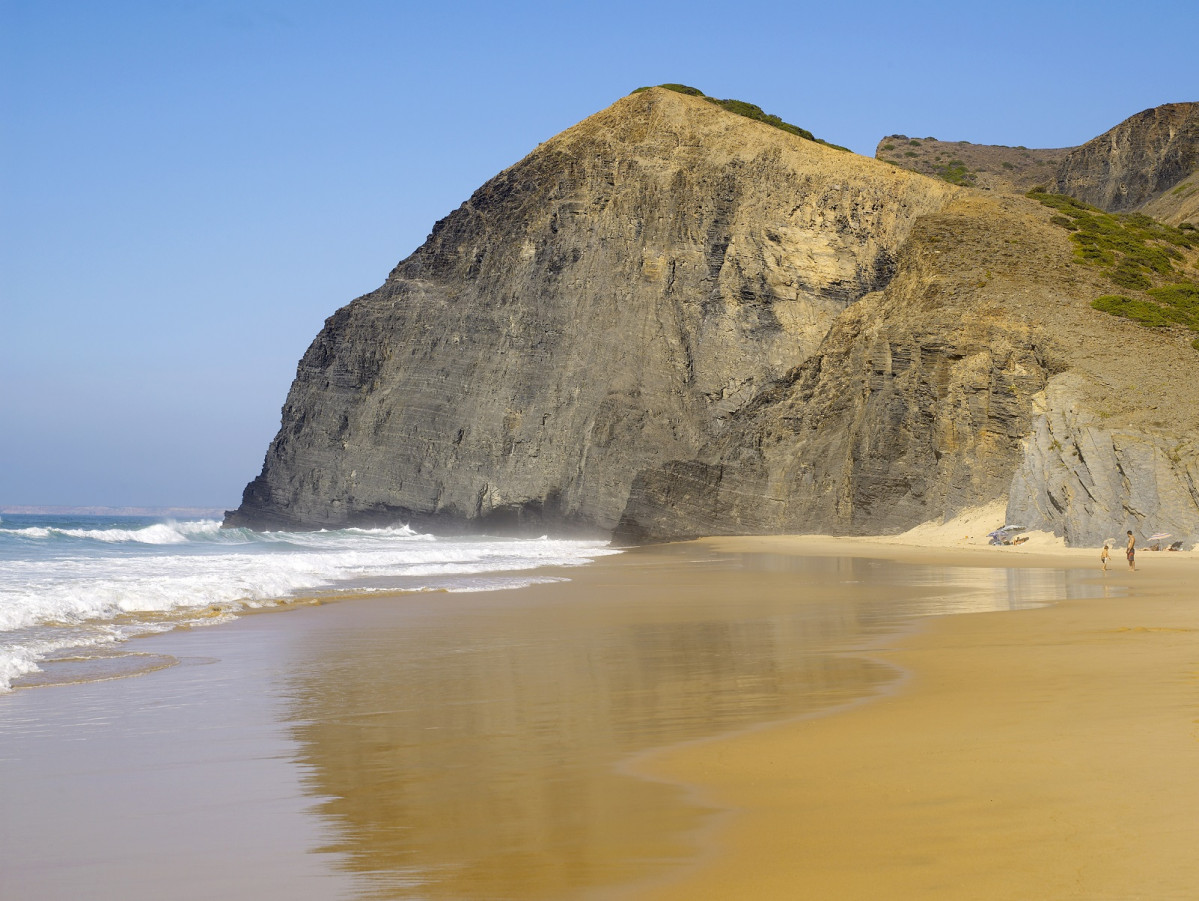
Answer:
(676, 321)
(915, 406)
(597, 309)
(1076, 470)
(1144, 157)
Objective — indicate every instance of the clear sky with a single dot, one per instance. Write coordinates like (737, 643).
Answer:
(187, 189)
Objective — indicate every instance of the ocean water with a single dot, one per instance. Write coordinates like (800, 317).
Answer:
(75, 589)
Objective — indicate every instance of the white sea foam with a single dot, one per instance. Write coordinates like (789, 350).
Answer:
(75, 585)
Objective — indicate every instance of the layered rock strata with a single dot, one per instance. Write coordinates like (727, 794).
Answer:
(915, 406)
(1083, 477)
(967, 380)
(598, 308)
(1144, 157)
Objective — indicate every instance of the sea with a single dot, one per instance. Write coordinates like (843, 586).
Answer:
(75, 589)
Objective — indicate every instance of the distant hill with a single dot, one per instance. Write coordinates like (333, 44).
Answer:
(1149, 163)
(972, 165)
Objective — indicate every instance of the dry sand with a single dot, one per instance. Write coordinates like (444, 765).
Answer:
(1049, 753)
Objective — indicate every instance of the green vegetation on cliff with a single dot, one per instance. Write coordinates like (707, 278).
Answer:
(1138, 254)
(956, 173)
(749, 111)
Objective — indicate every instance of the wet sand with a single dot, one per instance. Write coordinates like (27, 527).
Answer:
(740, 718)
(1052, 753)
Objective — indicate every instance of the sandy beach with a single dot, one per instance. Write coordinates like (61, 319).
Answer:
(1050, 753)
(755, 718)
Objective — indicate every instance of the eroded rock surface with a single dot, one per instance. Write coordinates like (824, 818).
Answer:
(1145, 156)
(1083, 478)
(914, 407)
(598, 308)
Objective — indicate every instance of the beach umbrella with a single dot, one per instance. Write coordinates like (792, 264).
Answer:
(1159, 536)
(1013, 528)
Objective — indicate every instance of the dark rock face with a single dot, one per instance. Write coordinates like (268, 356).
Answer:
(597, 309)
(914, 408)
(1140, 158)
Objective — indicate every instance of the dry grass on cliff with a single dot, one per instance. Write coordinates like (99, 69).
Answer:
(1001, 254)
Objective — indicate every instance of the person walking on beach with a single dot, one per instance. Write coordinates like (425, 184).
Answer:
(1103, 555)
(1131, 552)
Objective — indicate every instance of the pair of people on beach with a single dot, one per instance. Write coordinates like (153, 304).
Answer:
(1130, 552)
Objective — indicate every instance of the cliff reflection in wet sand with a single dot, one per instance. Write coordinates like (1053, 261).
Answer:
(467, 746)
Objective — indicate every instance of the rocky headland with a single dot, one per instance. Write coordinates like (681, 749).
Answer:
(673, 320)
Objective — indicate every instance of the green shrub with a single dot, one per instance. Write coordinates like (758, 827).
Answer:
(956, 173)
(1183, 297)
(1133, 242)
(1139, 311)
(888, 147)
(914, 143)
(1130, 277)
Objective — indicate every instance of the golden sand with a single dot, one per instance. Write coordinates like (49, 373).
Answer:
(1050, 753)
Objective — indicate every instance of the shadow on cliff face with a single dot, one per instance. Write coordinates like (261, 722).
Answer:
(914, 407)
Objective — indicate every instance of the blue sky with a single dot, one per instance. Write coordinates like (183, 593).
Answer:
(187, 189)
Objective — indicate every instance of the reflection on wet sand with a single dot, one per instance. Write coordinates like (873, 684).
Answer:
(467, 746)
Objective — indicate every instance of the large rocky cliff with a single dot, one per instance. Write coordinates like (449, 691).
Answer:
(945, 391)
(671, 321)
(598, 308)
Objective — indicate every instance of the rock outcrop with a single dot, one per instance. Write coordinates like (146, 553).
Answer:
(1142, 158)
(595, 310)
(915, 406)
(1081, 476)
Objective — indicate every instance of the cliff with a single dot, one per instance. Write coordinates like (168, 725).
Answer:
(598, 308)
(1149, 163)
(672, 320)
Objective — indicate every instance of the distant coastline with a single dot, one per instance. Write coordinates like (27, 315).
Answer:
(34, 510)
